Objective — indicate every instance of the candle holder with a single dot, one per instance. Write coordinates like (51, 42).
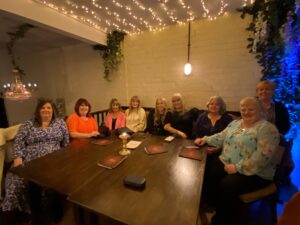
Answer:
(124, 137)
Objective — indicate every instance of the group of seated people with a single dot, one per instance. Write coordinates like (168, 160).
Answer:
(241, 152)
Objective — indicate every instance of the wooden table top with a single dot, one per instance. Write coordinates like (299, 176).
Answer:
(172, 193)
(68, 169)
(173, 184)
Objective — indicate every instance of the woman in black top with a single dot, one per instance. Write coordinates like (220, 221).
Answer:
(214, 120)
(180, 121)
(156, 117)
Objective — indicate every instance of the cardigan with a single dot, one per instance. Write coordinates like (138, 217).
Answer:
(136, 119)
(120, 122)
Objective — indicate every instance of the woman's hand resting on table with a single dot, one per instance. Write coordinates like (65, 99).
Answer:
(230, 169)
(17, 161)
(200, 141)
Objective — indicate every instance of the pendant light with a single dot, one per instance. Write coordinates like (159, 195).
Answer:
(188, 67)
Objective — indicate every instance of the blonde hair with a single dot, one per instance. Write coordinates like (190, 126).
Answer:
(266, 83)
(220, 101)
(252, 101)
(157, 116)
(133, 98)
(114, 101)
(178, 95)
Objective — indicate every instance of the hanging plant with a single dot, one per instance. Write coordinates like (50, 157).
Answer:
(266, 40)
(112, 53)
(14, 37)
(274, 40)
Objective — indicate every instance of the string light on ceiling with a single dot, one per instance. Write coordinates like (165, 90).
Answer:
(207, 12)
(136, 16)
(189, 12)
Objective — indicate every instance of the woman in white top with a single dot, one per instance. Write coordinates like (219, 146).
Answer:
(136, 119)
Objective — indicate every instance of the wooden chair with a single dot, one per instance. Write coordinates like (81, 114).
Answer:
(291, 214)
(270, 192)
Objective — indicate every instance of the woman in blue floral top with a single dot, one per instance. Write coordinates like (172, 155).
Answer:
(36, 138)
(247, 162)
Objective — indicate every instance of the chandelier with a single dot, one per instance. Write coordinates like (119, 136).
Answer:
(17, 90)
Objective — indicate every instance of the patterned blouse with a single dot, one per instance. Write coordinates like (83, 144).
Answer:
(252, 150)
(33, 141)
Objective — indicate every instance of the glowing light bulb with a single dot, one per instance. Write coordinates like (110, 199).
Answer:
(187, 69)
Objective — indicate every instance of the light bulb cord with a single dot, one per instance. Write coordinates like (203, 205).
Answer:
(189, 42)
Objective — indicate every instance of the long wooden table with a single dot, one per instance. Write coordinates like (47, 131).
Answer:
(65, 170)
(173, 184)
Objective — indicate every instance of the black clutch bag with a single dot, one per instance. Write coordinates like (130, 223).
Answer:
(135, 182)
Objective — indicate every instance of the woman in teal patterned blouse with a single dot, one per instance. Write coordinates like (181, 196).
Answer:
(247, 162)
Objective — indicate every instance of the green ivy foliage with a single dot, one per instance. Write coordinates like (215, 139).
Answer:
(112, 53)
(275, 41)
(14, 37)
(270, 50)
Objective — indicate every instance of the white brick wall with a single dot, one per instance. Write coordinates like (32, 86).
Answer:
(221, 63)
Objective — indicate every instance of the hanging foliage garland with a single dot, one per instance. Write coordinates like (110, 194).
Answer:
(112, 53)
(14, 37)
(275, 41)
(266, 27)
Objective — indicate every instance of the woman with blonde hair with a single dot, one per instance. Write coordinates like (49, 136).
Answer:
(136, 118)
(115, 118)
(156, 117)
(247, 162)
(180, 121)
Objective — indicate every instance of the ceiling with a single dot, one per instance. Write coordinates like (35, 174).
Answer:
(129, 16)
(37, 38)
(134, 16)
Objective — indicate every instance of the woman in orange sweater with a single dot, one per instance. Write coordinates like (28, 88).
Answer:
(80, 123)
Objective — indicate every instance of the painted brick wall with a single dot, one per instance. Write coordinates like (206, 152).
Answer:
(221, 63)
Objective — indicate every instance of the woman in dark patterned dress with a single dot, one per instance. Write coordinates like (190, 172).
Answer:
(36, 138)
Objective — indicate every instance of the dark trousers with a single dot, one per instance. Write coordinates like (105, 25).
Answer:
(222, 190)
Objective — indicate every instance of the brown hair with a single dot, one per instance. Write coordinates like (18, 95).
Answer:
(41, 102)
(82, 101)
